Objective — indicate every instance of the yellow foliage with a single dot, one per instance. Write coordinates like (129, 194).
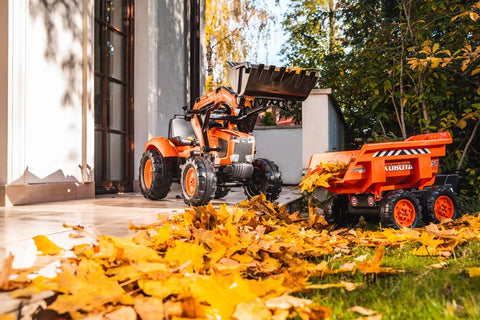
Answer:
(324, 173)
(46, 246)
(474, 272)
(239, 262)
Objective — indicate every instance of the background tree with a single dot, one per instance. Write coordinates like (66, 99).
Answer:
(402, 67)
(314, 32)
(233, 30)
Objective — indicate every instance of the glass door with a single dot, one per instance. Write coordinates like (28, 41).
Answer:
(113, 98)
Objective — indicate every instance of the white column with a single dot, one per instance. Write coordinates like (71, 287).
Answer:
(145, 77)
(315, 124)
(88, 112)
(17, 80)
(4, 28)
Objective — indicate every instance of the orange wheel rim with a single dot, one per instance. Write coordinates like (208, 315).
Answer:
(444, 208)
(148, 174)
(404, 213)
(191, 182)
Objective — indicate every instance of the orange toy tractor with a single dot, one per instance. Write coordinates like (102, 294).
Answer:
(209, 148)
(396, 180)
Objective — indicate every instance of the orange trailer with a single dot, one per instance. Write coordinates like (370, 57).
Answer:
(397, 180)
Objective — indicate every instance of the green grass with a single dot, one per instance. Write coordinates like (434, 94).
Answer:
(420, 292)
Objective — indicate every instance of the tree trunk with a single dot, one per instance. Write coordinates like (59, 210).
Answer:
(460, 163)
(421, 90)
(402, 104)
(331, 25)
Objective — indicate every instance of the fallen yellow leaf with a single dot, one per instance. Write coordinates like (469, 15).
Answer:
(474, 272)
(363, 311)
(46, 246)
(6, 272)
(148, 308)
(349, 286)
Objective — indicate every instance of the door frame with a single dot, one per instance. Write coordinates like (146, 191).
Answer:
(125, 185)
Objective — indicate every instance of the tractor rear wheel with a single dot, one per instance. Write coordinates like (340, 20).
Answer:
(199, 181)
(400, 209)
(441, 203)
(266, 178)
(155, 178)
(336, 211)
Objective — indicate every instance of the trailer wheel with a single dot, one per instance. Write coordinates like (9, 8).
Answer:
(266, 179)
(400, 209)
(199, 181)
(154, 176)
(441, 203)
(221, 192)
(336, 211)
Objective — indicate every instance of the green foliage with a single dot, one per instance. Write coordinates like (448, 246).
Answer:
(313, 26)
(398, 68)
(268, 119)
(295, 113)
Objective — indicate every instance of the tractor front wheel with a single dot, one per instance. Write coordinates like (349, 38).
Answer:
(441, 203)
(199, 181)
(400, 209)
(266, 178)
(155, 178)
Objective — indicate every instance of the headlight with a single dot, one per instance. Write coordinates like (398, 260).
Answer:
(234, 158)
(249, 158)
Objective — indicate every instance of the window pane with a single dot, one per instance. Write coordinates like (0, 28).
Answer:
(116, 55)
(98, 97)
(98, 156)
(99, 9)
(115, 13)
(116, 110)
(116, 157)
(98, 54)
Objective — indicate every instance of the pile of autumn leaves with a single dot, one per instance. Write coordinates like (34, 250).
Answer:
(237, 262)
(322, 175)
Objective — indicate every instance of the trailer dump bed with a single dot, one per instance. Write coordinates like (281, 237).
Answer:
(379, 167)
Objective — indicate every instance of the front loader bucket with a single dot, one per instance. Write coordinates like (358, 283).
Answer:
(260, 81)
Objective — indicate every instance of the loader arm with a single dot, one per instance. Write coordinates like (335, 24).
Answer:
(256, 87)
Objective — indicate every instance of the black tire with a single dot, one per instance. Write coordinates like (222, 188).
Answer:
(446, 202)
(221, 192)
(336, 211)
(157, 185)
(400, 209)
(199, 181)
(266, 178)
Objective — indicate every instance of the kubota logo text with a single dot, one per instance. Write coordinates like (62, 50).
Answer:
(398, 167)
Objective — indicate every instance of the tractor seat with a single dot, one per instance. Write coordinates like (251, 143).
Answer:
(181, 133)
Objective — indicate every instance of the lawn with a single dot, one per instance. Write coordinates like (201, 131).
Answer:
(429, 287)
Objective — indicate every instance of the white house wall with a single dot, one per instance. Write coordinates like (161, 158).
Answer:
(49, 108)
(161, 68)
(282, 145)
(53, 138)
